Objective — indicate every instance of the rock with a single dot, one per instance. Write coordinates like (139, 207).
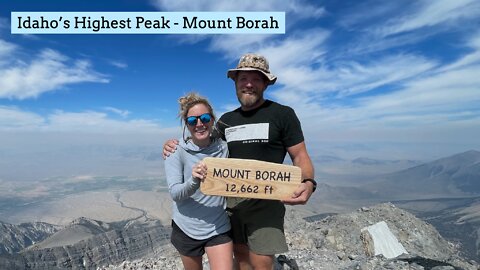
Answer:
(382, 240)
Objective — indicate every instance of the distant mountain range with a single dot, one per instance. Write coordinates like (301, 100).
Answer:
(454, 176)
(370, 161)
(326, 159)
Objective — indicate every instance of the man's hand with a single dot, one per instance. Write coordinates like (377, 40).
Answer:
(169, 147)
(298, 154)
(301, 194)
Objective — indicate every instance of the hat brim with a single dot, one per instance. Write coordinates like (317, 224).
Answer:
(232, 74)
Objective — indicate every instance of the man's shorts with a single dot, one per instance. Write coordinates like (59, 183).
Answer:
(259, 224)
(188, 246)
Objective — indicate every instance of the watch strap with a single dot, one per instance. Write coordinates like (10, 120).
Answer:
(312, 181)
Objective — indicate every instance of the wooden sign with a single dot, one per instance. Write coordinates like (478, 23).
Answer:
(248, 178)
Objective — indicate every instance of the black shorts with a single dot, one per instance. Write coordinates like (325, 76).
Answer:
(188, 246)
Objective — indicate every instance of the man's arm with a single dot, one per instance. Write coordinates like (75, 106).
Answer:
(299, 155)
(169, 147)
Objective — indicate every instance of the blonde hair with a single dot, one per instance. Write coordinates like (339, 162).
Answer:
(188, 101)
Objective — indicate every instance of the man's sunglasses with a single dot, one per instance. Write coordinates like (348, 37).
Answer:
(204, 118)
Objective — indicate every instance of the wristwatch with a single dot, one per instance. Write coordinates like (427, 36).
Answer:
(312, 181)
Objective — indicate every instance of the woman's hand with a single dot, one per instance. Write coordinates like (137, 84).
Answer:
(199, 171)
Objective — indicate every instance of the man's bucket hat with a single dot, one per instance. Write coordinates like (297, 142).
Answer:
(253, 62)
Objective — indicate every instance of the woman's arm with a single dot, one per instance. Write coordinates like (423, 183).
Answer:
(179, 187)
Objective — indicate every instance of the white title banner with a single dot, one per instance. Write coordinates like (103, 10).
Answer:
(148, 22)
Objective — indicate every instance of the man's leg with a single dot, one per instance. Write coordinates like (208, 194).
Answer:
(248, 260)
(242, 257)
(192, 263)
(261, 262)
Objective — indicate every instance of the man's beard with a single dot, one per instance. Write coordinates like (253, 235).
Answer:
(249, 100)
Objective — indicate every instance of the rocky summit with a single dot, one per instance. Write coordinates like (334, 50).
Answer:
(345, 242)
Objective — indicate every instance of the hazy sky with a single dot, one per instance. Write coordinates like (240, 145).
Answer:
(399, 78)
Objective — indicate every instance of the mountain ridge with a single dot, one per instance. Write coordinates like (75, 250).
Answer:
(79, 229)
(14, 238)
(453, 176)
(113, 246)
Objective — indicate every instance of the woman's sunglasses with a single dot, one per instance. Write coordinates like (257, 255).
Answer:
(204, 118)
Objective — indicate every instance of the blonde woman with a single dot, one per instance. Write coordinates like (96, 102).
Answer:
(200, 223)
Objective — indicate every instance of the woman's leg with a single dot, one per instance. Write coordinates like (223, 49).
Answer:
(220, 256)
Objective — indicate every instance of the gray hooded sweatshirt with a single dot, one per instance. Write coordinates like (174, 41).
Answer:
(198, 215)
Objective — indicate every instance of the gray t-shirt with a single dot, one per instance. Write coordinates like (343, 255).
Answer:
(198, 215)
